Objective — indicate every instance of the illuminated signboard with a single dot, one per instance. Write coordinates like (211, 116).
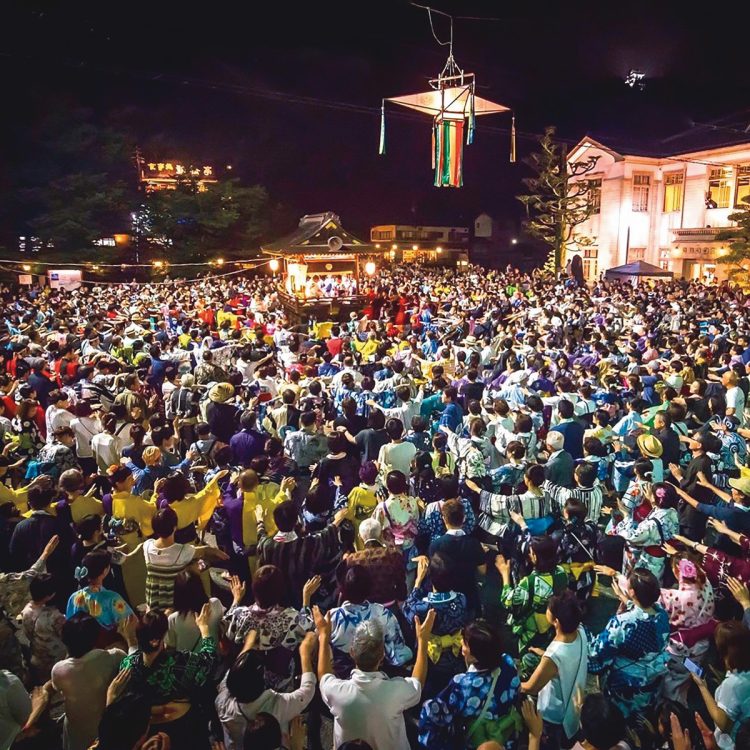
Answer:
(165, 175)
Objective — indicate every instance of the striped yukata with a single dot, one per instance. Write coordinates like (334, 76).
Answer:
(591, 497)
(163, 565)
(495, 510)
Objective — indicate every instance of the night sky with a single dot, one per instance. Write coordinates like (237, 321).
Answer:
(185, 81)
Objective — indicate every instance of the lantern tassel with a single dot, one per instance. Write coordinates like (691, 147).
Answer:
(381, 146)
(513, 140)
(472, 122)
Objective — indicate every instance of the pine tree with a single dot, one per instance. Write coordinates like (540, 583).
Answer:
(559, 199)
(738, 238)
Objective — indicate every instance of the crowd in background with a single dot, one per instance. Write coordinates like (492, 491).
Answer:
(492, 509)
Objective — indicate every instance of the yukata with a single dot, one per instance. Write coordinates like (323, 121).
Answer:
(578, 547)
(344, 622)
(463, 700)
(630, 657)
(444, 647)
(107, 607)
(361, 502)
(279, 631)
(689, 607)
(644, 541)
(432, 522)
(398, 516)
(527, 607)
(719, 566)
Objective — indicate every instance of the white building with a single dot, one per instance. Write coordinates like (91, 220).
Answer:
(664, 210)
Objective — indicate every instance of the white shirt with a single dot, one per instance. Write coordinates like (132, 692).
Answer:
(184, 635)
(370, 706)
(107, 450)
(557, 699)
(55, 419)
(736, 401)
(283, 707)
(733, 697)
(398, 456)
(85, 429)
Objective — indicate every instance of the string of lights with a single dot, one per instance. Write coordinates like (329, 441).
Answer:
(157, 263)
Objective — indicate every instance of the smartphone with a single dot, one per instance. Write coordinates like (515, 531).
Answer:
(691, 666)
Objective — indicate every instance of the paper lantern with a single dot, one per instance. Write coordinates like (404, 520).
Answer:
(454, 107)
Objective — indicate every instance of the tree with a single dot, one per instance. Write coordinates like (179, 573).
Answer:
(739, 245)
(78, 187)
(559, 199)
(225, 220)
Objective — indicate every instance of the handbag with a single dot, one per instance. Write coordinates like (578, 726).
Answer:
(486, 729)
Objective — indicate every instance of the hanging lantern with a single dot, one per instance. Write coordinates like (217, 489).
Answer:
(454, 107)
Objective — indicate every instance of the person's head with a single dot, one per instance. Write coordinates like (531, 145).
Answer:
(450, 395)
(42, 588)
(94, 568)
(367, 648)
(515, 451)
(58, 398)
(40, 497)
(64, 436)
(151, 456)
(121, 478)
(733, 644)
(189, 593)
(72, 482)
(555, 441)
(482, 645)
(534, 476)
(79, 634)
(574, 510)
(644, 588)
(394, 428)
(368, 473)
(543, 554)
(151, 630)
(449, 487)
(565, 409)
(585, 475)
(285, 516)
(453, 513)
(662, 495)
(337, 443)
(357, 584)
(370, 530)
(442, 573)
(124, 723)
(602, 722)
(564, 612)
(89, 529)
(262, 733)
(643, 469)
(601, 418)
(395, 483)
(686, 567)
(268, 586)
(164, 523)
(175, 487)
(246, 677)
(248, 420)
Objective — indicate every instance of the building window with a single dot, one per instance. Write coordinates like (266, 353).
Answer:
(636, 253)
(595, 196)
(641, 183)
(673, 190)
(590, 262)
(664, 265)
(743, 187)
(718, 188)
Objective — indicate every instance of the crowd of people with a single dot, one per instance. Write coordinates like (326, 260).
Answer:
(493, 509)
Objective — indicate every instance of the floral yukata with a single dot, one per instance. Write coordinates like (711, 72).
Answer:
(107, 607)
(630, 656)
(645, 540)
(690, 608)
(461, 702)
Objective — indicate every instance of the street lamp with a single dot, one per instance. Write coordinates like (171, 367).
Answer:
(26, 267)
(274, 265)
(514, 241)
(438, 250)
(158, 264)
(220, 261)
(369, 268)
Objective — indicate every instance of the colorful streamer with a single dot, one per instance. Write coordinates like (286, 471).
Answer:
(448, 152)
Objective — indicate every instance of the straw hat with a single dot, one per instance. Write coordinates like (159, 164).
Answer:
(221, 393)
(741, 484)
(650, 446)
